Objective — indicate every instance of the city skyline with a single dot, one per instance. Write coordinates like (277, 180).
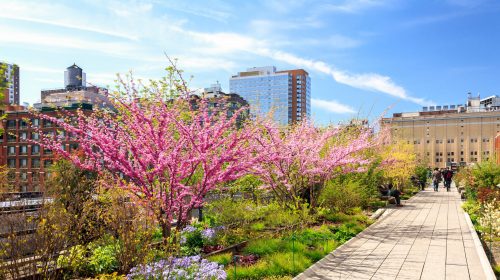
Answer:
(363, 55)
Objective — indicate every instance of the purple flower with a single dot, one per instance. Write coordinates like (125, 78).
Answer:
(193, 267)
(208, 233)
(188, 229)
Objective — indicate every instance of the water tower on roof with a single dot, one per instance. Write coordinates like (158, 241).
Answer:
(74, 78)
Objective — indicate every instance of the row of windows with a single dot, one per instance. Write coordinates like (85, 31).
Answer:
(450, 141)
(35, 149)
(472, 153)
(23, 163)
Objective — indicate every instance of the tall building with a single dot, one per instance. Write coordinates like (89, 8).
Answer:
(284, 94)
(451, 134)
(28, 163)
(11, 93)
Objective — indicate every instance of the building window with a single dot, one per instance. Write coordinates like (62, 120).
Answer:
(11, 124)
(23, 124)
(11, 150)
(23, 163)
(23, 150)
(23, 136)
(35, 163)
(11, 163)
(11, 138)
(23, 176)
(35, 149)
(35, 122)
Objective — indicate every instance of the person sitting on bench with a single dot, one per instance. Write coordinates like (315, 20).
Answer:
(390, 191)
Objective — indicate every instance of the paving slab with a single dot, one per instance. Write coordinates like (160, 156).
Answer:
(428, 238)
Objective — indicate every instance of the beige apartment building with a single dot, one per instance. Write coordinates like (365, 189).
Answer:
(452, 134)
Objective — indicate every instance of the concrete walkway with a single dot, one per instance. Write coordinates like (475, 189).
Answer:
(428, 238)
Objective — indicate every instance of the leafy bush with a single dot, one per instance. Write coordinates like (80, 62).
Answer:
(346, 231)
(195, 237)
(75, 260)
(103, 259)
(258, 226)
(95, 258)
(193, 267)
(341, 197)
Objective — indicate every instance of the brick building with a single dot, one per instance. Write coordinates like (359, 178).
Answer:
(28, 163)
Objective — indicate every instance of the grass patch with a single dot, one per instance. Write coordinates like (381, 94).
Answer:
(263, 247)
(224, 259)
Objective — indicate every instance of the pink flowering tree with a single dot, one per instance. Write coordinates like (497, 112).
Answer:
(163, 146)
(301, 158)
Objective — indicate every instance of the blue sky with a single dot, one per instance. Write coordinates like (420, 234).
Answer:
(363, 55)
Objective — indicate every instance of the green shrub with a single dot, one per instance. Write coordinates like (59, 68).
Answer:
(224, 259)
(75, 260)
(258, 226)
(346, 231)
(341, 197)
(102, 259)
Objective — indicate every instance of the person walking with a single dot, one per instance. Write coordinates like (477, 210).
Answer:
(448, 175)
(436, 178)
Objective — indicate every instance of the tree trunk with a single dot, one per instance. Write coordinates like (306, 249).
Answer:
(166, 229)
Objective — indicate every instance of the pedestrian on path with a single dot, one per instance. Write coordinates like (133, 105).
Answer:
(448, 175)
(436, 178)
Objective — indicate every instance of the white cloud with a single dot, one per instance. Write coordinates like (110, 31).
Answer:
(207, 10)
(196, 50)
(52, 14)
(367, 81)
(353, 6)
(332, 106)
(29, 38)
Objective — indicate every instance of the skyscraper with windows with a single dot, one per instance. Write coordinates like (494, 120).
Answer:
(286, 95)
(11, 77)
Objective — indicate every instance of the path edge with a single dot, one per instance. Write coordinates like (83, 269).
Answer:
(306, 273)
(485, 263)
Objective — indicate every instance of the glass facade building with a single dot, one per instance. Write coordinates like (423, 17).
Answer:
(284, 95)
